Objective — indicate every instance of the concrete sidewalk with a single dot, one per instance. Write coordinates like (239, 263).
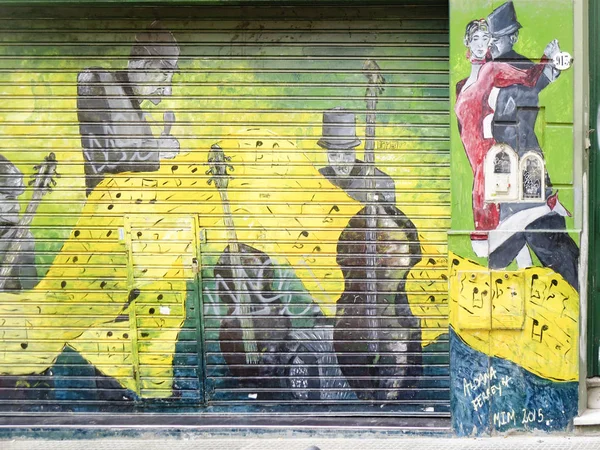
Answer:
(544, 442)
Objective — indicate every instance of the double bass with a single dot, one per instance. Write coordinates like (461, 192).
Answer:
(254, 333)
(377, 339)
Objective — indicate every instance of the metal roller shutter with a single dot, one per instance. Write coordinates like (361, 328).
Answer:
(301, 279)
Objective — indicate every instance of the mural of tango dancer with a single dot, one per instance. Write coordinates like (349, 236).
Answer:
(497, 104)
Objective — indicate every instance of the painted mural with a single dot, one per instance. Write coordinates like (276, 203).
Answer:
(204, 233)
(246, 226)
(514, 300)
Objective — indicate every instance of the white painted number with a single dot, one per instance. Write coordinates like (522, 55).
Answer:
(532, 416)
(562, 61)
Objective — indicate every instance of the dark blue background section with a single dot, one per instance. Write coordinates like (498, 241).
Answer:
(71, 384)
(537, 403)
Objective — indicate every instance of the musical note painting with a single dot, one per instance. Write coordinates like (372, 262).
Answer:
(307, 210)
(253, 225)
(517, 240)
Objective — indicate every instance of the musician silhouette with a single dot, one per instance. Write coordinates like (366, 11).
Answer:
(115, 135)
(376, 337)
(23, 274)
(345, 170)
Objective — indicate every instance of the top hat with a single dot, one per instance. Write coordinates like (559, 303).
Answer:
(503, 20)
(339, 129)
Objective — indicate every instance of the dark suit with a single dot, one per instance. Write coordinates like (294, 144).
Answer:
(114, 133)
(514, 121)
(514, 124)
(517, 109)
(355, 184)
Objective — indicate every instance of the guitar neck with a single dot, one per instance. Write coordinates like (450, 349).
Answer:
(372, 321)
(370, 137)
(229, 224)
(29, 213)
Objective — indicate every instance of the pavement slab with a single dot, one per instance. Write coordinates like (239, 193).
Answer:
(259, 443)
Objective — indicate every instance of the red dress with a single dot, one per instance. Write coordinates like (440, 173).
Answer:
(471, 108)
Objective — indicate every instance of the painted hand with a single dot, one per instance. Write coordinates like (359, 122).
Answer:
(552, 49)
(168, 147)
(550, 71)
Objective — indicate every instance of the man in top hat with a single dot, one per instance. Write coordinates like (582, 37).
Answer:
(513, 123)
(517, 106)
(23, 274)
(345, 170)
(114, 133)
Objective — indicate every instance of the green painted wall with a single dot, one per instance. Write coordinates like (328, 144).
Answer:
(516, 324)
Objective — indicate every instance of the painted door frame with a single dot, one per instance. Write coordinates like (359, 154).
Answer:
(593, 220)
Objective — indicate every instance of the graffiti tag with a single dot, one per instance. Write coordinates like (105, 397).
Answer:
(505, 418)
(484, 386)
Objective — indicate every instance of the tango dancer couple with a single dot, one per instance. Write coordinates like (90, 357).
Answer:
(498, 104)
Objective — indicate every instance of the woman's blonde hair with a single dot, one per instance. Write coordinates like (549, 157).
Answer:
(473, 27)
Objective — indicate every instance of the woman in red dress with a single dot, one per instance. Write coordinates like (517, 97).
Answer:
(472, 96)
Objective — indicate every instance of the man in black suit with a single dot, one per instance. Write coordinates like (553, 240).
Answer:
(115, 135)
(345, 170)
(514, 120)
(517, 105)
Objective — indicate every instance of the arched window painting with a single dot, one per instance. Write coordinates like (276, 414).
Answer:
(501, 174)
(502, 163)
(532, 177)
